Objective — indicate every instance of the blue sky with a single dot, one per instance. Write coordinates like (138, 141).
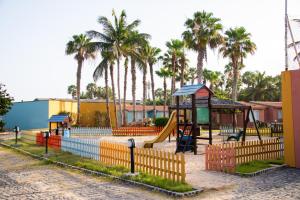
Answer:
(34, 33)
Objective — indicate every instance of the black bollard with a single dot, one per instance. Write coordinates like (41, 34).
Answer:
(17, 129)
(131, 145)
(46, 135)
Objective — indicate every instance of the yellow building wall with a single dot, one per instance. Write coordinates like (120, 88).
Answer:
(57, 106)
(287, 111)
(88, 113)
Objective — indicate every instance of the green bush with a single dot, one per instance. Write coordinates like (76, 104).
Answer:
(161, 121)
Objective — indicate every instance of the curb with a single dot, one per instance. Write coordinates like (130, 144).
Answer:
(91, 172)
(263, 171)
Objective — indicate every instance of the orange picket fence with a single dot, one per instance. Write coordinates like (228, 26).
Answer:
(158, 163)
(54, 141)
(136, 131)
(219, 158)
(225, 157)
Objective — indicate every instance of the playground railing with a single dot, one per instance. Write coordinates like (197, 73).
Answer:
(88, 148)
(136, 131)
(219, 157)
(268, 132)
(90, 131)
(158, 163)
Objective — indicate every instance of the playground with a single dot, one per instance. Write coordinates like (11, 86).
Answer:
(188, 149)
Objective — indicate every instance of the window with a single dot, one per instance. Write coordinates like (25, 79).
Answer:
(256, 115)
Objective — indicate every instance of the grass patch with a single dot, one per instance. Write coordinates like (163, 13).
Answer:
(257, 165)
(119, 171)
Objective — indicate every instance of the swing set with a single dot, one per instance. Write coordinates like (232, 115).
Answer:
(194, 113)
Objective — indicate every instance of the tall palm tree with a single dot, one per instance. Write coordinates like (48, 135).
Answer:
(98, 73)
(203, 31)
(237, 44)
(142, 59)
(152, 59)
(83, 49)
(133, 42)
(174, 50)
(113, 38)
(164, 73)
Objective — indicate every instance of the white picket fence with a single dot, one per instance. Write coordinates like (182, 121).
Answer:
(88, 148)
(90, 131)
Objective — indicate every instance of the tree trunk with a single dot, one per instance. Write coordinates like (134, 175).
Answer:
(80, 62)
(165, 96)
(153, 93)
(200, 66)
(111, 67)
(133, 77)
(173, 79)
(108, 124)
(182, 67)
(193, 79)
(125, 88)
(144, 91)
(119, 92)
(235, 79)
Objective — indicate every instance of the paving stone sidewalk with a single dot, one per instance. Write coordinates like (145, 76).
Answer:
(22, 177)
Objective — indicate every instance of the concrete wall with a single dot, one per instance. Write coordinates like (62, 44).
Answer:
(28, 115)
(291, 116)
(89, 109)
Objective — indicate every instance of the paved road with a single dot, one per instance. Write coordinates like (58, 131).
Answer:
(21, 177)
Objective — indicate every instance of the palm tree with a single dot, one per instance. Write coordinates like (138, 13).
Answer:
(214, 78)
(237, 44)
(83, 48)
(191, 74)
(164, 73)
(134, 41)
(142, 59)
(203, 31)
(113, 38)
(152, 59)
(98, 73)
(72, 90)
(91, 90)
(174, 50)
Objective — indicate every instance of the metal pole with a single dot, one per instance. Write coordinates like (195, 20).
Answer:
(285, 37)
(47, 135)
(293, 40)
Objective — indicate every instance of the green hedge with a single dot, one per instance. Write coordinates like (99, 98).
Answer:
(161, 121)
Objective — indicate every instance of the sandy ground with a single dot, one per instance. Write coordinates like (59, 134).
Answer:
(195, 164)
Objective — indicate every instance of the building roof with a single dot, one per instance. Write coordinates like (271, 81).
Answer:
(253, 105)
(217, 104)
(190, 89)
(58, 118)
(268, 103)
(139, 108)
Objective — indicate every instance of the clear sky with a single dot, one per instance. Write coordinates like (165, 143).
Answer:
(34, 33)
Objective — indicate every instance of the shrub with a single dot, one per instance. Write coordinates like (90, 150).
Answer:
(161, 121)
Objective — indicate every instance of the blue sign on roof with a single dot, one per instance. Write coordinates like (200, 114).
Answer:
(57, 118)
(189, 89)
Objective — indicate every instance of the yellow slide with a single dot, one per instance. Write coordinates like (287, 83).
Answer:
(168, 129)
